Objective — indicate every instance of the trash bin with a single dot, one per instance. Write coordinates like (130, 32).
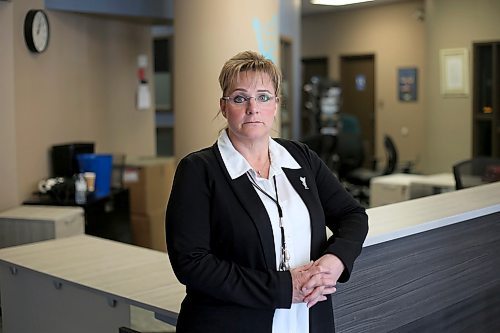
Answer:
(101, 165)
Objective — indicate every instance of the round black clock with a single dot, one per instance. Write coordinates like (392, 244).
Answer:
(36, 30)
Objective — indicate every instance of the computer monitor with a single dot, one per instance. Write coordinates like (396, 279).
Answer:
(64, 162)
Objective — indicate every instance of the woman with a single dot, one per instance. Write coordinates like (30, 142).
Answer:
(246, 220)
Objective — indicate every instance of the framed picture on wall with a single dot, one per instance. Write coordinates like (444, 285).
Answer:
(407, 84)
(454, 65)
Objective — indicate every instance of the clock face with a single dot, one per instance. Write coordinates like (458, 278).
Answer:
(36, 30)
(40, 31)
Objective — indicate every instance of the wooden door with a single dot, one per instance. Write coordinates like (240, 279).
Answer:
(357, 79)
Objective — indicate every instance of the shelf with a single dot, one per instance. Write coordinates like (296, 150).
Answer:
(163, 108)
(483, 116)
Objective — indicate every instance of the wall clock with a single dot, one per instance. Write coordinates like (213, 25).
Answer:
(36, 30)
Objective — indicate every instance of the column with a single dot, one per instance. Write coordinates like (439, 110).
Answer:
(206, 34)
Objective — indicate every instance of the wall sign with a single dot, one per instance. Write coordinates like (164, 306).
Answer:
(454, 65)
(360, 80)
(407, 84)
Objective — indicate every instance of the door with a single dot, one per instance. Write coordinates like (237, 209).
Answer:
(357, 79)
(486, 100)
(310, 67)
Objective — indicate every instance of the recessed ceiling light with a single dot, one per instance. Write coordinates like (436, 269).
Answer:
(337, 2)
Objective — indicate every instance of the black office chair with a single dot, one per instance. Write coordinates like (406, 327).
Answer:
(325, 146)
(350, 152)
(357, 179)
(476, 171)
(362, 176)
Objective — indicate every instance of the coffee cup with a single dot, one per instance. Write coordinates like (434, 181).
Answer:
(90, 180)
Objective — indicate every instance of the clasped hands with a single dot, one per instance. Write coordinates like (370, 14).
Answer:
(313, 281)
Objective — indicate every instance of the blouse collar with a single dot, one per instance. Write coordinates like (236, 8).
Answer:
(237, 165)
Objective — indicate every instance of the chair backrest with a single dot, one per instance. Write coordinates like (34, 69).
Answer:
(476, 171)
(351, 152)
(349, 123)
(325, 146)
(391, 154)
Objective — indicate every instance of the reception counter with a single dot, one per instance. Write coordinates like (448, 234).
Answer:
(427, 264)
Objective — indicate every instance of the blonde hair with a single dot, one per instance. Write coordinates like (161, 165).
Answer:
(248, 61)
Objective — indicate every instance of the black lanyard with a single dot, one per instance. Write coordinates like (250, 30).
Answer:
(285, 256)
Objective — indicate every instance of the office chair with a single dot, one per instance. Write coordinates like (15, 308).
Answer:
(362, 176)
(325, 146)
(350, 151)
(476, 171)
(357, 180)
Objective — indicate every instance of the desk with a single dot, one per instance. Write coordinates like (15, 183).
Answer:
(28, 224)
(395, 188)
(441, 182)
(401, 187)
(99, 212)
(100, 278)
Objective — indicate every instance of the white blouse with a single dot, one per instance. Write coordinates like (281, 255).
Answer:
(296, 219)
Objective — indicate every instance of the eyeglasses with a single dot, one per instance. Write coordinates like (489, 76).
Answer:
(241, 100)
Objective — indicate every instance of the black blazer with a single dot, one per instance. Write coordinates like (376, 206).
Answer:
(220, 242)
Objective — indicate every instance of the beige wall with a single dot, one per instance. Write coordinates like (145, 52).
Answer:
(8, 172)
(448, 122)
(81, 88)
(440, 128)
(201, 46)
(397, 39)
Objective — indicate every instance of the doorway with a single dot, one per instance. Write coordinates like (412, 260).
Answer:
(486, 103)
(357, 79)
(310, 67)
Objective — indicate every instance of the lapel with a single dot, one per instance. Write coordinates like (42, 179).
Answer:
(304, 184)
(253, 206)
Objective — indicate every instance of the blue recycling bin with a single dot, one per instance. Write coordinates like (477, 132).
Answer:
(101, 165)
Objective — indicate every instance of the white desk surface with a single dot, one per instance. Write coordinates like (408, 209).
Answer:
(418, 215)
(34, 212)
(396, 179)
(444, 180)
(144, 277)
(133, 274)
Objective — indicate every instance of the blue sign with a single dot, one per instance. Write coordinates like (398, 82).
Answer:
(360, 82)
(407, 84)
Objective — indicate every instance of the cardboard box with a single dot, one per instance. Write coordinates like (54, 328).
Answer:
(149, 180)
(148, 230)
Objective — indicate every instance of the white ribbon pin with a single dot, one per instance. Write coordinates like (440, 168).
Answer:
(303, 180)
